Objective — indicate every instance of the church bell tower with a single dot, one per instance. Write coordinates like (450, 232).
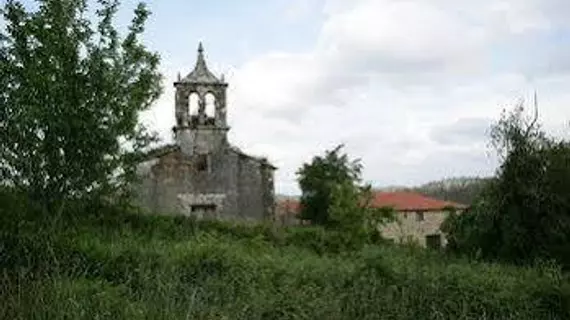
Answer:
(200, 110)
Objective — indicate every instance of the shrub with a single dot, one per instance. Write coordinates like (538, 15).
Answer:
(123, 266)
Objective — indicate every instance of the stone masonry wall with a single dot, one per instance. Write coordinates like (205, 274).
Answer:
(187, 200)
(208, 139)
(268, 185)
(175, 174)
(407, 228)
(250, 188)
(239, 186)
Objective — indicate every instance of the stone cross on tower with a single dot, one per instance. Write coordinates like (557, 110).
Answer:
(199, 131)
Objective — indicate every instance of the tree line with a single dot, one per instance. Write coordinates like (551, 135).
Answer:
(463, 190)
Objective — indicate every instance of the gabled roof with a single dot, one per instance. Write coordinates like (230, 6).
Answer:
(166, 149)
(410, 201)
(262, 160)
(287, 207)
(158, 152)
(201, 74)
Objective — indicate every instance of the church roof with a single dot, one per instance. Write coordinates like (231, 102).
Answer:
(159, 152)
(201, 74)
(166, 149)
(261, 160)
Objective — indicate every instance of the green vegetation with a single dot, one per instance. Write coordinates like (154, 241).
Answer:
(70, 95)
(99, 263)
(523, 215)
(319, 179)
(333, 196)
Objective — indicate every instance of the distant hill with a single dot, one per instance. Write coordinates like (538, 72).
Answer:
(463, 190)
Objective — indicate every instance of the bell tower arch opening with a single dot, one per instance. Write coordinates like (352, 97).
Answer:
(193, 104)
(210, 107)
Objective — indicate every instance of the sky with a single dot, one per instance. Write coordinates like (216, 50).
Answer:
(409, 86)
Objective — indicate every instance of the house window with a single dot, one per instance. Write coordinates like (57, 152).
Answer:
(433, 241)
(202, 163)
(419, 216)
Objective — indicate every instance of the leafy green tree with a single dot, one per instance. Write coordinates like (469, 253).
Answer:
(524, 214)
(320, 177)
(352, 211)
(71, 91)
(473, 232)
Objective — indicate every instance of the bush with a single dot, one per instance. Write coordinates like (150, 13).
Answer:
(124, 266)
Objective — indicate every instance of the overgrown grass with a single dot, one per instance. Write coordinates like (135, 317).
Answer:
(100, 263)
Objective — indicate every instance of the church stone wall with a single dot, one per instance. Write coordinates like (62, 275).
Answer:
(250, 189)
(207, 140)
(234, 184)
(187, 200)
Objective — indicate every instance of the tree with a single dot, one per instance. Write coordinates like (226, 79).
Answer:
(70, 97)
(352, 211)
(524, 214)
(318, 180)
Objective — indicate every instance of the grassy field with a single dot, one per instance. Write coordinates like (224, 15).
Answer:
(107, 264)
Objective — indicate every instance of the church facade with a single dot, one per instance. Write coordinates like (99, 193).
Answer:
(202, 174)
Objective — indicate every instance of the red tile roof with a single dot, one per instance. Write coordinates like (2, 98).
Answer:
(410, 201)
(288, 206)
(400, 201)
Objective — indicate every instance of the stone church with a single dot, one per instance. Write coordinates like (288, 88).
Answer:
(202, 174)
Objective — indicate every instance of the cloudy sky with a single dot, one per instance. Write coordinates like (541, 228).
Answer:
(409, 86)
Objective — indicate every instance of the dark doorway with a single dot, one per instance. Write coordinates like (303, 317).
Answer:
(205, 208)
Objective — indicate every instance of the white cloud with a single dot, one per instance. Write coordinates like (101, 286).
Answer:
(408, 31)
(407, 85)
(464, 131)
(298, 9)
